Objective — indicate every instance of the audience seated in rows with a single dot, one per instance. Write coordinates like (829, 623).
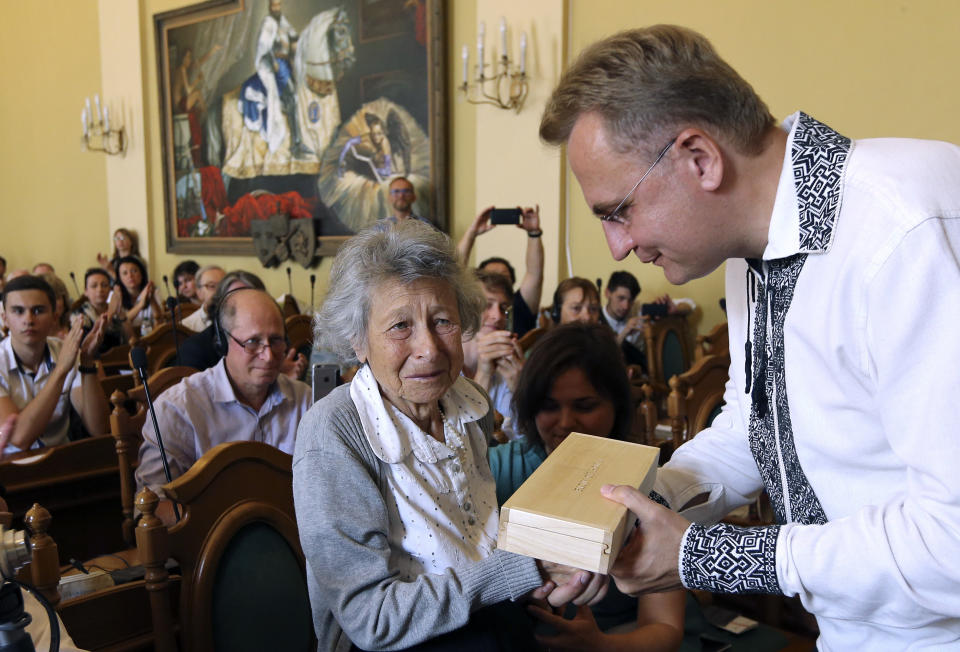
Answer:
(39, 377)
(492, 357)
(206, 281)
(244, 397)
(525, 302)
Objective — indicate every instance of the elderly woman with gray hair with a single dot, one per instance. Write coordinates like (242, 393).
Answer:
(395, 502)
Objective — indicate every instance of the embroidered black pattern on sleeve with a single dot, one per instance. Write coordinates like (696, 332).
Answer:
(727, 559)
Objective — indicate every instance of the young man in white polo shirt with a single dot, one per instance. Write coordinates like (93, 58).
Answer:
(39, 377)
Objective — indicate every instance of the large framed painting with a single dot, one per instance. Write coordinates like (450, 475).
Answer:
(283, 122)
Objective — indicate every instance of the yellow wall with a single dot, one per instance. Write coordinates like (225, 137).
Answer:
(864, 67)
(54, 195)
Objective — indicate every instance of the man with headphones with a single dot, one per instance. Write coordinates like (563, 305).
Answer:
(244, 397)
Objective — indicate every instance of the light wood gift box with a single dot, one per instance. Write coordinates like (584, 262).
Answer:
(559, 515)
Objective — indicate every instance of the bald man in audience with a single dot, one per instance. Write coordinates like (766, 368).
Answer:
(39, 376)
(244, 397)
(43, 268)
(207, 279)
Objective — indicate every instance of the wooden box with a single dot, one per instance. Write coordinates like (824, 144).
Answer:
(559, 515)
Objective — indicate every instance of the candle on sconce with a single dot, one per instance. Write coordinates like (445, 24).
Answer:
(96, 100)
(465, 56)
(523, 53)
(480, 38)
(503, 36)
(89, 113)
(83, 121)
(106, 119)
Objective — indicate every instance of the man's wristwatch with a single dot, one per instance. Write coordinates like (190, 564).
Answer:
(536, 233)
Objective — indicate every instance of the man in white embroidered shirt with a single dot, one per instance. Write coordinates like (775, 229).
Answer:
(242, 398)
(39, 377)
(841, 276)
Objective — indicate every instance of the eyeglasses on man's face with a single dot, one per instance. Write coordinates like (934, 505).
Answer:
(401, 191)
(614, 215)
(255, 346)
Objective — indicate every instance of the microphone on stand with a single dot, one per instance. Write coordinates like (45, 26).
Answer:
(166, 281)
(138, 356)
(289, 283)
(73, 277)
(313, 282)
(172, 307)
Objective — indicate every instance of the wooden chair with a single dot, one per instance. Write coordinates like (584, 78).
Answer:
(668, 349)
(113, 361)
(289, 307)
(696, 396)
(77, 483)
(242, 571)
(160, 347)
(78, 304)
(716, 342)
(118, 382)
(530, 338)
(300, 333)
(117, 618)
(126, 425)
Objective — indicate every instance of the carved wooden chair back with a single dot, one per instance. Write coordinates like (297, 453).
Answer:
(289, 307)
(668, 348)
(696, 396)
(160, 347)
(117, 618)
(113, 361)
(242, 571)
(530, 338)
(716, 342)
(77, 483)
(300, 333)
(126, 425)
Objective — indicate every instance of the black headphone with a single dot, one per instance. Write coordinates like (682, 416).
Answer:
(555, 308)
(220, 343)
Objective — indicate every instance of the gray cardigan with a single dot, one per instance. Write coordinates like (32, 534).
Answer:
(338, 487)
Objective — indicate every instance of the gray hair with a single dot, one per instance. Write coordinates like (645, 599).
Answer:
(647, 83)
(206, 268)
(247, 279)
(404, 253)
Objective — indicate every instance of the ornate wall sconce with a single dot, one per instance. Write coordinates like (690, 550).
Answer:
(506, 85)
(98, 136)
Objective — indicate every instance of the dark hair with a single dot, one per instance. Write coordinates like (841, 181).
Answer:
(3, 261)
(30, 282)
(126, 298)
(502, 261)
(188, 268)
(495, 283)
(93, 271)
(624, 279)
(593, 349)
